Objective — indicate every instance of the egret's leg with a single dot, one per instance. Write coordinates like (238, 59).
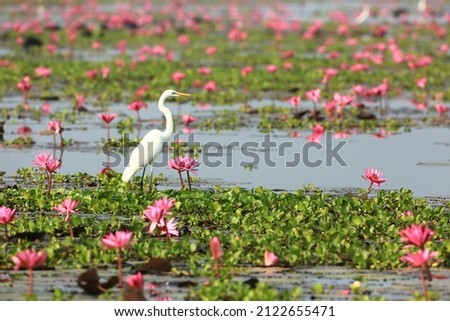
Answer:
(142, 178)
(151, 177)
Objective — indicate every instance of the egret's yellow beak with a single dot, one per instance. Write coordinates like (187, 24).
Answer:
(183, 94)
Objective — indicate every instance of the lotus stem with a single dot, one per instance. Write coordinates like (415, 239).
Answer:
(30, 282)
(422, 282)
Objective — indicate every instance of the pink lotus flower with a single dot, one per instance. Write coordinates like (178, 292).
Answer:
(422, 82)
(96, 45)
(374, 176)
(204, 70)
(154, 215)
(318, 129)
(441, 109)
(24, 85)
(135, 281)
(105, 72)
(121, 45)
(157, 212)
(46, 162)
(41, 160)
(246, 70)
(313, 95)
(342, 100)
(216, 248)
(184, 40)
(295, 100)
(92, 73)
(24, 130)
(272, 69)
(329, 73)
(184, 163)
(188, 119)
(287, 65)
(419, 259)
(165, 204)
(210, 86)
(178, 76)
(79, 101)
(359, 90)
(416, 235)
(107, 118)
(43, 72)
(67, 207)
(136, 106)
(216, 252)
(211, 50)
(237, 35)
(6, 217)
(169, 227)
(46, 108)
(314, 138)
(287, 54)
(270, 259)
(55, 126)
(141, 91)
(29, 260)
(119, 241)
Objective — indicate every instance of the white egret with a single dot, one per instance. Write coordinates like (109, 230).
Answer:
(363, 15)
(151, 145)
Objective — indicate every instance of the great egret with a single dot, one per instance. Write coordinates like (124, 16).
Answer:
(151, 145)
(363, 15)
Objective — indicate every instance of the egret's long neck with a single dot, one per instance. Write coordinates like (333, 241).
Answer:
(167, 133)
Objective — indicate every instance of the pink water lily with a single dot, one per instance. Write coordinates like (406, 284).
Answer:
(374, 176)
(107, 119)
(270, 259)
(246, 70)
(49, 164)
(157, 213)
(136, 106)
(135, 281)
(66, 208)
(184, 164)
(216, 252)
(210, 86)
(6, 217)
(169, 227)
(43, 72)
(119, 241)
(416, 235)
(188, 119)
(313, 95)
(29, 260)
(420, 258)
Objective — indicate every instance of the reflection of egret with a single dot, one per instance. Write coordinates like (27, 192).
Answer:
(363, 15)
(151, 145)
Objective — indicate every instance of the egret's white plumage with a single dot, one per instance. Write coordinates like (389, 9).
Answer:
(422, 6)
(151, 145)
(363, 15)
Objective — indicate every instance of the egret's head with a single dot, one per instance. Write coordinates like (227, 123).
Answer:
(174, 93)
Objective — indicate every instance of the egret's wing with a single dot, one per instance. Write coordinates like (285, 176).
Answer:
(144, 153)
